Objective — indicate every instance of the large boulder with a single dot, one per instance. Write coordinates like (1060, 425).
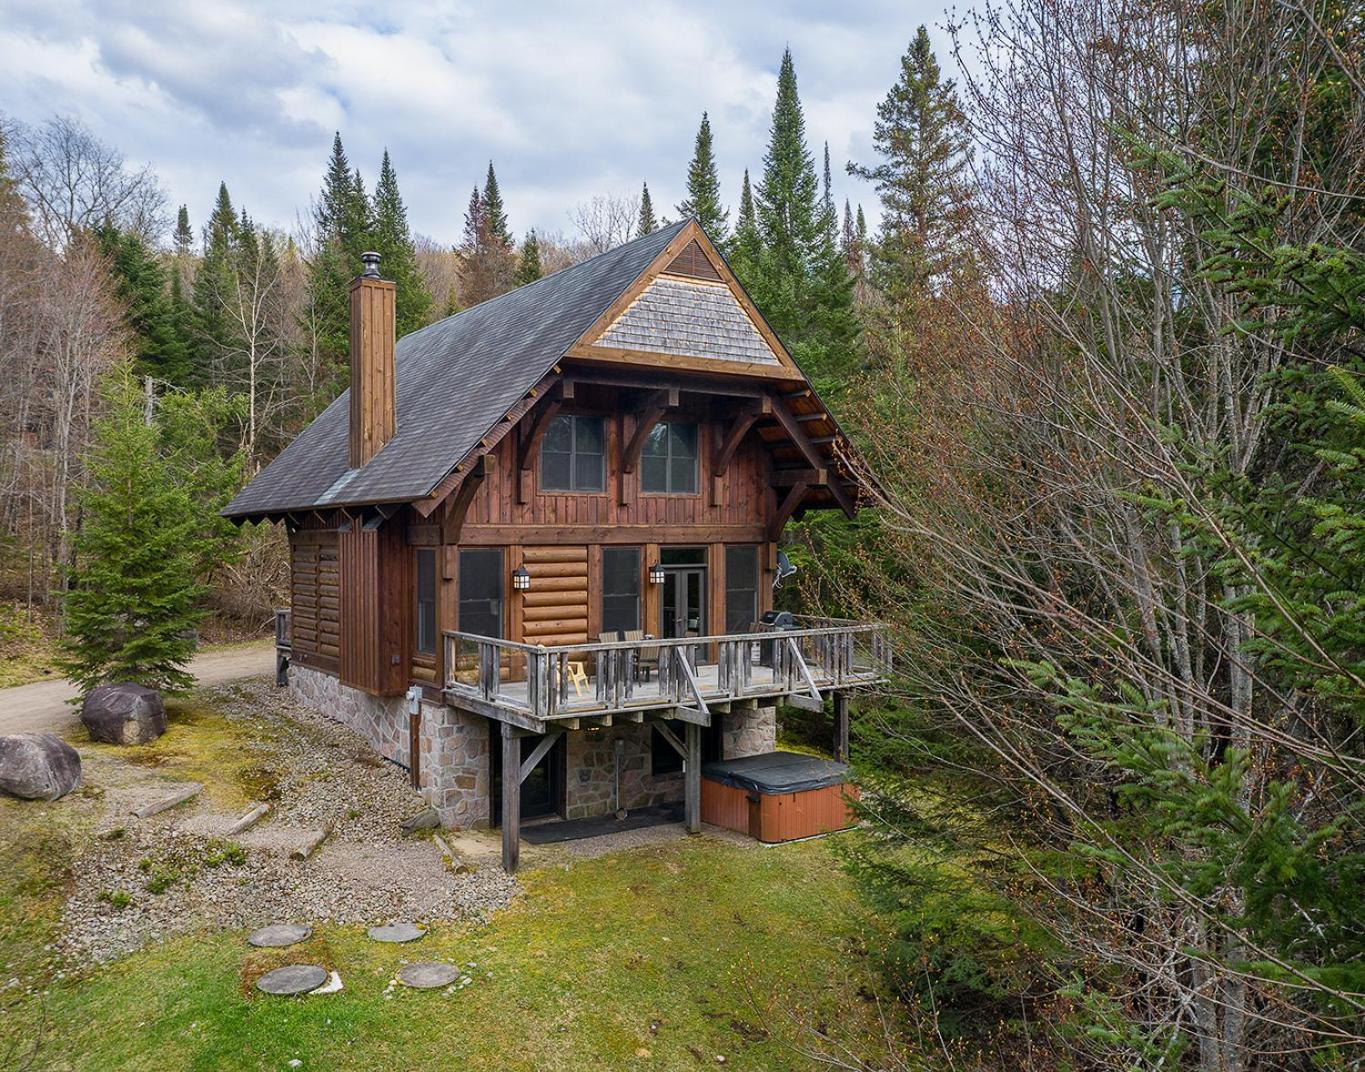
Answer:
(38, 766)
(124, 714)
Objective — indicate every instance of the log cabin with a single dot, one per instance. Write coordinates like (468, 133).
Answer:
(533, 546)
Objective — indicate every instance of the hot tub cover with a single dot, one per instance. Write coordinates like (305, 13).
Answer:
(777, 772)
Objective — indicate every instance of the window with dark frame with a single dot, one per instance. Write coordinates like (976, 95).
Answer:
(663, 757)
(573, 455)
(425, 640)
(481, 591)
(668, 462)
(620, 589)
(741, 588)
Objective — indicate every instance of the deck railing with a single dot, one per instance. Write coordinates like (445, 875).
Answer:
(565, 680)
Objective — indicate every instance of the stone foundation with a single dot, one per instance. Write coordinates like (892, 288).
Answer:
(452, 744)
(605, 769)
(749, 733)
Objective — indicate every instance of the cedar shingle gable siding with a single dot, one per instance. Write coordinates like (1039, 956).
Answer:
(455, 380)
(691, 319)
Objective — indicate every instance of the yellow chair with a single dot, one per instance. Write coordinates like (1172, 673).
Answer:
(579, 676)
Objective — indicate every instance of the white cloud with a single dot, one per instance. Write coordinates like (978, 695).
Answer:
(568, 100)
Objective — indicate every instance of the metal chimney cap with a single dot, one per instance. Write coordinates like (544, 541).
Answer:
(371, 261)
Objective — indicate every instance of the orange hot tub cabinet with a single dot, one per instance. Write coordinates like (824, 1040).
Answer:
(777, 796)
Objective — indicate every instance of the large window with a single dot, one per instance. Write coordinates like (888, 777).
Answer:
(481, 591)
(572, 455)
(741, 588)
(620, 589)
(426, 602)
(668, 462)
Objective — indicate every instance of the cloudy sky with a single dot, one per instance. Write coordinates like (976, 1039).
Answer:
(568, 99)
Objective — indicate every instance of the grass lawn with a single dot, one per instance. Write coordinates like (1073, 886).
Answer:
(655, 958)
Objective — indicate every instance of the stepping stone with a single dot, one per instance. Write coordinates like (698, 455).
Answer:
(396, 932)
(428, 974)
(292, 979)
(279, 935)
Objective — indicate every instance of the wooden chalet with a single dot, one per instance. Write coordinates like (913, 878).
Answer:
(532, 546)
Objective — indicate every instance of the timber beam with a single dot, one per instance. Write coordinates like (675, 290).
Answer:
(797, 434)
(457, 505)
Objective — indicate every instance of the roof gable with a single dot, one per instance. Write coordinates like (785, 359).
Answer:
(688, 310)
(456, 379)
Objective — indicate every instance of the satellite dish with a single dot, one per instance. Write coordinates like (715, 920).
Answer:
(785, 569)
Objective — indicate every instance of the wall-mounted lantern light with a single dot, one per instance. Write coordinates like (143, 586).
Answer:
(656, 574)
(521, 579)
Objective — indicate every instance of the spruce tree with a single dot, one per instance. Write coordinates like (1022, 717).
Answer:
(488, 265)
(920, 136)
(340, 235)
(184, 234)
(132, 608)
(646, 224)
(746, 244)
(801, 282)
(140, 282)
(392, 240)
(213, 331)
(703, 188)
(528, 268)
(495, 215)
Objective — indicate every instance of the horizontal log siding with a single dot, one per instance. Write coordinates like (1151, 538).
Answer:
(314, 599)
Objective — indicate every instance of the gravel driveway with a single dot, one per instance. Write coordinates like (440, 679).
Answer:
(43, 707)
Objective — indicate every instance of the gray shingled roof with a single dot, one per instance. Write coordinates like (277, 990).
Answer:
(683, 316)
(455, 380)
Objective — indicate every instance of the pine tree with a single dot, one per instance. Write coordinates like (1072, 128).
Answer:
(647, 224)
(494, 213)
(184, 234)
(140, 282)
(921, 138)
(132, 607)
(801, 282)
(528, 268)
(827, 190)
(392, 240)
(703, 188)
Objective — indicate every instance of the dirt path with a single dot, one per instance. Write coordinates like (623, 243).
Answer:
(43, 705)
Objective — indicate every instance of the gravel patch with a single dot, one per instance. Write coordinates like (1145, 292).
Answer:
(142, 880)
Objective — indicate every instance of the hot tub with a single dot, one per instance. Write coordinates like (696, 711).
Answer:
(777, 796)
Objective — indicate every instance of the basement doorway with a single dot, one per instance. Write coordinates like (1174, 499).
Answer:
(542, 794)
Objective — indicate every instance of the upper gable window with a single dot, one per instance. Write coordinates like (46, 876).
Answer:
(572, 457)
(668, 462)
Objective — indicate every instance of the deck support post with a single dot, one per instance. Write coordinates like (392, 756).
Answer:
(841, 726)
(692, 779)
(511, 799)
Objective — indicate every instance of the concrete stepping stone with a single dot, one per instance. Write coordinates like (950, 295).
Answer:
(396, 932)
(279, 935)
(428, 974)
(292, 979)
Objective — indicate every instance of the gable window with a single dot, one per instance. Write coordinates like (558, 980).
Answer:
(426, 602)
(668, 462)
(620, 589)
(572, 457)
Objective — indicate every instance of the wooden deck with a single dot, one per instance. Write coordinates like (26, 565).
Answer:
(537, 688)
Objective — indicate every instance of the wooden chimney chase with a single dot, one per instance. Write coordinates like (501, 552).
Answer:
(372, 372)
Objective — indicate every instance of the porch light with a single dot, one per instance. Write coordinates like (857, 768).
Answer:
(521, 579)
(656, 574)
